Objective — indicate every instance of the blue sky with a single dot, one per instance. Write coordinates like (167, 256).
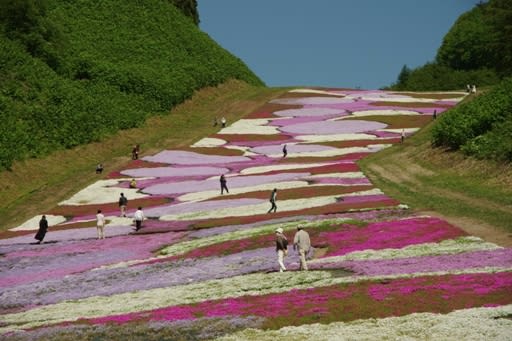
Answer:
(332, 43)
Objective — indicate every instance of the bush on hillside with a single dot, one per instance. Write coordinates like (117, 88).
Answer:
(123, 62)
(435, 77)
(482, 127)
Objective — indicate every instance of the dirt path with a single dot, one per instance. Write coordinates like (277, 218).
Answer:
(396, 172)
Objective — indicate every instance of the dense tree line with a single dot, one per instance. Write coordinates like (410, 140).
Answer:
(73, 72)
(476, 50)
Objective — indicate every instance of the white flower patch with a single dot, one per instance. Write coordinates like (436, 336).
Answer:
(316, 91)
(337, 137)
(399, 130)
(102, 192)
(204, 195)
(248, 210)
(381, 113)
(450, 246)
(283, 206)
(33, 223)
(465, 324)
(270, 168)
(246, 285)
(251, 126)
(401, 99)
(209, 142)
(244, 149)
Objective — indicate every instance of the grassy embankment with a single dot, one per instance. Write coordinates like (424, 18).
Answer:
(36, 185)
(472, 194)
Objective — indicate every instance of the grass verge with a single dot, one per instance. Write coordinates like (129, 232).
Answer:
(472, 194)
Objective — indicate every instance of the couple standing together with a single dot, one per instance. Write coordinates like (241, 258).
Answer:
(301, 242)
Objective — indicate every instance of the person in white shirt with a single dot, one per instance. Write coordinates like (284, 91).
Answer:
(303, 243)
(100, 225)
(223, 122)
(139, 218)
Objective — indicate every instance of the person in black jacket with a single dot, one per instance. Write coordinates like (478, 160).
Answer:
(223, 184)
(43, 228)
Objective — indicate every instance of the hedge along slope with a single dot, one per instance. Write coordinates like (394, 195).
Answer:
(118, 63)
(482, 127)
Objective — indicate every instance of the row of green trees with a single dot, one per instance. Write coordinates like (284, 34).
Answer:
(73, 72)
(482, 127)
(476, 50)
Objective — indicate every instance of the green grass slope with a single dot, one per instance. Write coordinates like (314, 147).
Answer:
(107, 65)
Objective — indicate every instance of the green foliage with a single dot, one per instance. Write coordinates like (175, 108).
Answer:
(480, 38)
(188, 8)
(482, 127)
(476, 50)
(122, 62)
(435, 77)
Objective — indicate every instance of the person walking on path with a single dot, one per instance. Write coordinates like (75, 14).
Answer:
(302, 242)
(402, 136)
(99, 168)
(281, 248)
(223, 122)
(100, 225)
(285, 151)
(435, 114)
(273, 198)
(223, 185)
(139, 218)
(43, 228)
(135, 152)
(123, 202)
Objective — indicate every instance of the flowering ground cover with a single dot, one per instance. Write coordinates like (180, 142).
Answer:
(204, 264)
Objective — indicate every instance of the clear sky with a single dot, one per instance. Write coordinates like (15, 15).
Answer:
(332, 43)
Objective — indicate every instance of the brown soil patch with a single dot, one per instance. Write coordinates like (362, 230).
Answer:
(357, 143)
(428, 95)
(214, 151)
(410, 104)
(397, 121)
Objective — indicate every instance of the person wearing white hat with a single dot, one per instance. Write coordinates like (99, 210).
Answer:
(281, 248)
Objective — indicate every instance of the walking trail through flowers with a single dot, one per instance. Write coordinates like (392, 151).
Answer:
(205, 261)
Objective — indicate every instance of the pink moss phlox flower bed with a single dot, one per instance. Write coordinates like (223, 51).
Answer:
(174, 171)
(468, 260)
(292, 148)
(343, 302)
(189, 158)
(307, 114)
(390, 234)
(213, 184)
(333, 127)
(56, 261)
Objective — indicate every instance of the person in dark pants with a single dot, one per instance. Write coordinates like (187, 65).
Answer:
(285, 151)
(43, 228)
(123, 202)
(99, 168)
(435, 114)
(223, 184)
(139, 218)
(273, 198)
